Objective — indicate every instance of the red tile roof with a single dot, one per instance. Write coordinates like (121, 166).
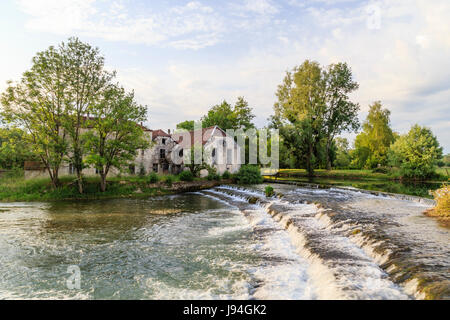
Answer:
(159, 133)
(196, 137)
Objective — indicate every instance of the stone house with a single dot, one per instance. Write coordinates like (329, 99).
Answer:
(166, 154)
(222, 152)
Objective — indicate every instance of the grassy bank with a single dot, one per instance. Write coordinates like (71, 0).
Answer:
(441, 175)
(19, 189)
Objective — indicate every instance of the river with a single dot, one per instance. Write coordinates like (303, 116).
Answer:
(215, 244)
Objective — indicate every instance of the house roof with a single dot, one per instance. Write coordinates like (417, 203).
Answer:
(159, 133)
(198, 137)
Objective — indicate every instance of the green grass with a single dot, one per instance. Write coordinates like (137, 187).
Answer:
(444, 171)
(15, 188)
(354, 174)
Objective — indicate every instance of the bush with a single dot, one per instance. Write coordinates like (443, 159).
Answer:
(153, 178)
(186, 176)
(384, 170)
(169, 180)
(416, 153)
(212, 174)
(269, 191)
(442, 198)
(249, 174)
(226, 175)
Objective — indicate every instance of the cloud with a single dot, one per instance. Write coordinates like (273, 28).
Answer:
(198, 24)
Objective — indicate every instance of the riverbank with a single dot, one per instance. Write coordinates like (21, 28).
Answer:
(360, 179)
(440, 176)
(19, 189)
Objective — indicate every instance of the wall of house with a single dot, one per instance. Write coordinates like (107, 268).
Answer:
(224, 154)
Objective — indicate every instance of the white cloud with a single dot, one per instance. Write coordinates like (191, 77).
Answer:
(260, 6)
(198, 24)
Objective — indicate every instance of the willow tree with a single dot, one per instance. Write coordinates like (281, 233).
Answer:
(301, 101)
(114, 137)
(37, 103)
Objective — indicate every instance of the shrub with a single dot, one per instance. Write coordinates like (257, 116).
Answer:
(249, 174)
(169, 180)
(226, 175)
(442, 198)
(212, 174)
(384, 170)
(186, 176)
(153, 178)
(269, 191)
(142, 171)
(416, 153)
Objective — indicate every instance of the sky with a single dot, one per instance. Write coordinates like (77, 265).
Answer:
(182, 57)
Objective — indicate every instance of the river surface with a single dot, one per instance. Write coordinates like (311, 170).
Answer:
(222, 244)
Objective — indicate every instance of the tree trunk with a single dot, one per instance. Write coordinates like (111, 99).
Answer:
(328, 155)
(79, 181)
(53, 173)
(103, 182)
(309, 165)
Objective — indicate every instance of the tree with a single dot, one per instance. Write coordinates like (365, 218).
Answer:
(186, 125)
(416, 153)
(340, 114)
(15, 148)
(115, 135)
(372, 144)
(227, 117)
(301, 101)
(342, 153)
(38, 103)
(85, 78)
(196, 160)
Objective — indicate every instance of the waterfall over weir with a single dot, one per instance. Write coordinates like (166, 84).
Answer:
(355, 250)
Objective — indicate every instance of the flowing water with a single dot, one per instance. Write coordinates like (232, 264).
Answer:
(225, 243)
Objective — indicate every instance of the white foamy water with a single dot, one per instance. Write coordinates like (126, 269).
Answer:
(337, 266)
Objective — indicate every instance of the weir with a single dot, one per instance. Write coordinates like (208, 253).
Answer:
(354, 248)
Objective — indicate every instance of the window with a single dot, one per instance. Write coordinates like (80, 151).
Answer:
(180, 153)
(155, 167)
(71, 169)
(131, 169)
(224, 142)
(162, 153)
(142, 152)
(213, 152)
(164, 141)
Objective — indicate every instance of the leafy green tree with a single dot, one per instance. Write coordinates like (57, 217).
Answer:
(186, 125)
(15, 148)
(301, 101)
(227, 117)
(114, 136)
(194, 162)
(416, 153)
(343, 158)
(340, 114)
(372, 144)
(38, 104)
(85, 78)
